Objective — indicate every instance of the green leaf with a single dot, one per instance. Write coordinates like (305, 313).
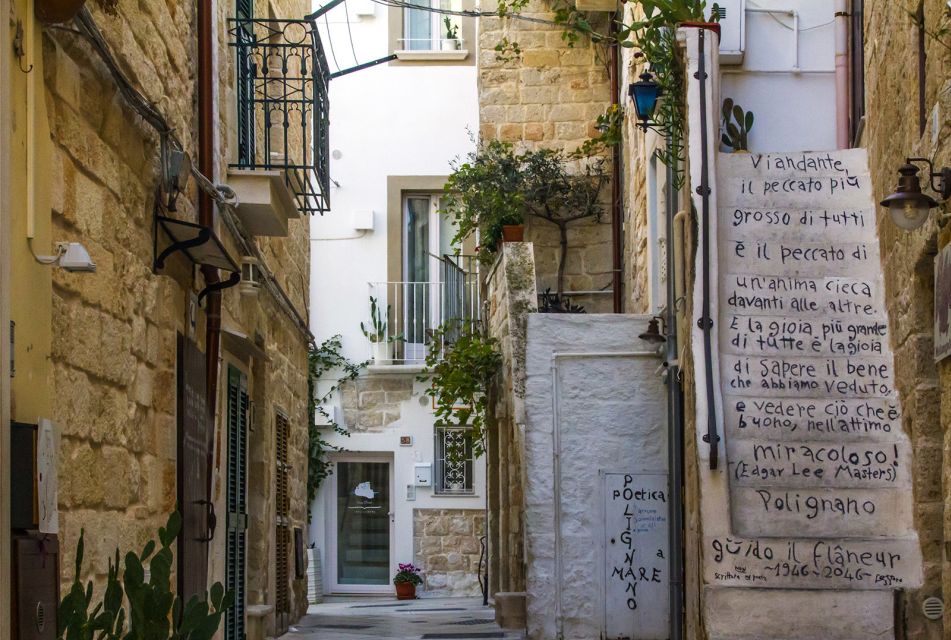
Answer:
(627, 44)
(147, 550)
(738, 114)
(217, 593)
(727, 108)
(726, 140)
(172, 528)
(733, 131)
(749, 120)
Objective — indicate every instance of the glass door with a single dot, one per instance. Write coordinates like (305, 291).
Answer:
(363, 525)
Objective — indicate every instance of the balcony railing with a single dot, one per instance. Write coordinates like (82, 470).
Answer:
(414, 310)
(282, 105)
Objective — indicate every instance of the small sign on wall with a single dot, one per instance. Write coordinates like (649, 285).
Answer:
(942, 304)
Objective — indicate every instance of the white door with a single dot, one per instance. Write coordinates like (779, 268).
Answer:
(361, 525)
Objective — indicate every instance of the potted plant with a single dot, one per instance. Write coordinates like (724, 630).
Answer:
(406, 580)
(736, 134)
(381, 343)
(451, 41)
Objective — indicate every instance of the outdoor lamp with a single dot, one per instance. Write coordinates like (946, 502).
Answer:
(644, 94)
(653, 334)
(908, 206)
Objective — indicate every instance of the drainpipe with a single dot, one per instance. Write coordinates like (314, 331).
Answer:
(675, 422)
(616, 234)
(841, 74)
(206, 210)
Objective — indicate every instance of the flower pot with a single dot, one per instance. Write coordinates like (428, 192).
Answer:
(405, 591)
(712, 26)
(53, 11)
(450, 44)
(382, 352)
(513, 232)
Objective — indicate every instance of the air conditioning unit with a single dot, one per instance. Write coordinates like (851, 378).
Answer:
(732, 30)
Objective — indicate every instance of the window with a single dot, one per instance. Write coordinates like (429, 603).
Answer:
(454, 461)
(425, 30)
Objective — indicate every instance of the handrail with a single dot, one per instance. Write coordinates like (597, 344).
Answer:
(706, 322)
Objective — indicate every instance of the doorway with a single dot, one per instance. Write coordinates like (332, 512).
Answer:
(361, 531)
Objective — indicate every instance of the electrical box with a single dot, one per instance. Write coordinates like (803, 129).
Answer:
(732, 30)
(424, 474)
(362, 219)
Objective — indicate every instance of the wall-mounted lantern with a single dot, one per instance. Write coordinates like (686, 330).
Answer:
(250, 276)
(908, 205)
(645, 94)
(653, 334)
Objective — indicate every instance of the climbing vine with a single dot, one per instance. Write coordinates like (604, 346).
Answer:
(460, 366)
(323, 359)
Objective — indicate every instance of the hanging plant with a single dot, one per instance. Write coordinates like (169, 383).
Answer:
(322, 360)
(460, 366)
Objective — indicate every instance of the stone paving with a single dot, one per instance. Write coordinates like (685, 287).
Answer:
(353, 618)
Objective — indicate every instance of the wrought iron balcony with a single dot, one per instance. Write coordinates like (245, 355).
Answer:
(411, 311)
(282, 105)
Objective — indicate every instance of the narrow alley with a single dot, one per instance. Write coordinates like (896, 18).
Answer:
(347, 618)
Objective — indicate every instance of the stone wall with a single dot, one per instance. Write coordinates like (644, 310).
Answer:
(372, 403)
(512, 297)
(892, 134)
(446, 547)
(114, 332)
(550, 98)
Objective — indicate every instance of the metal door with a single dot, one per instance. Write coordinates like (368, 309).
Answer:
(194, 428)
(237, 501)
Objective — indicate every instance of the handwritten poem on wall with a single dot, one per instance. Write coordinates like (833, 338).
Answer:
(636, 555)
(818, 464)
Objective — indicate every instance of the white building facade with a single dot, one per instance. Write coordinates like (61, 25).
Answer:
(402, 490)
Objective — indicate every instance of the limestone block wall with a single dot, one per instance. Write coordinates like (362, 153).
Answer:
(446, 547)
(550, 98)
(372, 403)
(512, 298)
(114, 332)
(891, 134)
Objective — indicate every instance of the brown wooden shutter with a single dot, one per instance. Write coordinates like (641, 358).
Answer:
(283, 542)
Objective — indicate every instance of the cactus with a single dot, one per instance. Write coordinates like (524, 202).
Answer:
(154, 611)
(377, 330)
(735, 135)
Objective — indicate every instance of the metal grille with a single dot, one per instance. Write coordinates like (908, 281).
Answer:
(283, 106)
(235, 571)
(283, 542)
(454, 461)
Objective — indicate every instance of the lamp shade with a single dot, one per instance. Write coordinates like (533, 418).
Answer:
(645, 93)
(908, 206)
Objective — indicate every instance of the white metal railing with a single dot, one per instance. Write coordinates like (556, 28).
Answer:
(408, 313)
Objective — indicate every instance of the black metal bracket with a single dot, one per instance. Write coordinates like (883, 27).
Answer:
(943, 187)
(222, 284)
(365, 65)
(202, 237)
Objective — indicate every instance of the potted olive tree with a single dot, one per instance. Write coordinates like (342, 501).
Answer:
(498, 187)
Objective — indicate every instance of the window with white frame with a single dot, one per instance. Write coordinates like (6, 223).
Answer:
(427, 30)
(455, 461)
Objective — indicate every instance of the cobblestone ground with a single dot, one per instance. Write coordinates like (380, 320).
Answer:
(424, 619)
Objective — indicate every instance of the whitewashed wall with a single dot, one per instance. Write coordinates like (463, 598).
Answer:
(386, 120)
(611, 417)
(794, 110)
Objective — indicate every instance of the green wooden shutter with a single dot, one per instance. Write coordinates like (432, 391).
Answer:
(237, 502)
(246, 71)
